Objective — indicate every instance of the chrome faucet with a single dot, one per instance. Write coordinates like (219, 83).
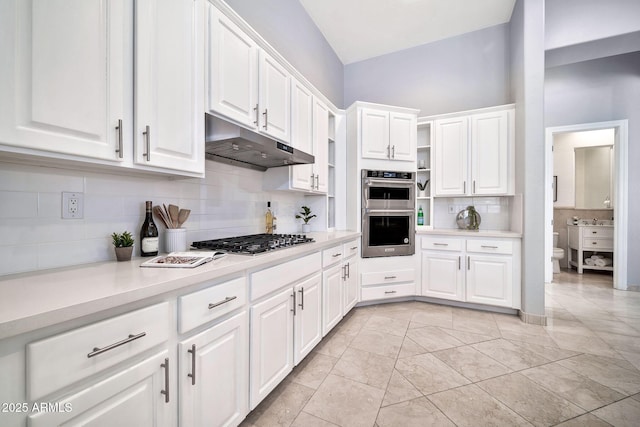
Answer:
(595, 221)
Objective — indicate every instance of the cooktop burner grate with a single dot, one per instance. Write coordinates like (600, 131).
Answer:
(253, 243)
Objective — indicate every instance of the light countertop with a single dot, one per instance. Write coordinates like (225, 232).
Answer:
(35, 300)
(469, 233)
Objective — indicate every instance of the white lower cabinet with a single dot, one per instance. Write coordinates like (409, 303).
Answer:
(214, 375)
(483, 271)
(284, 329)
(340, 284)
(351, 285)
(332, 287)
(388, 277)
(138, 395)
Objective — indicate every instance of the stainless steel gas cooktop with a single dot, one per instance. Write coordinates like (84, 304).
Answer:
(253, 243)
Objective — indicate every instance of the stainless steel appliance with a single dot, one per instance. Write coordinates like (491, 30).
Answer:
(229, 143)
(254, 243)
(388, 213)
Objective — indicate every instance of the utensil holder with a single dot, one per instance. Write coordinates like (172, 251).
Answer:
(175, 240)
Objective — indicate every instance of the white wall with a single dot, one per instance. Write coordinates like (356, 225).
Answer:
(229, 201)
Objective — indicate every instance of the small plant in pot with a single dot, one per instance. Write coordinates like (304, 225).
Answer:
(123, 244)
(305, 215)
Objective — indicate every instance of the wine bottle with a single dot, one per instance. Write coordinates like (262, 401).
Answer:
(149, 234)
(269, 219)
(420, 216)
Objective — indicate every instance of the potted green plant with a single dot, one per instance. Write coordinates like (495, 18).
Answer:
(305, 215)
(123, 244)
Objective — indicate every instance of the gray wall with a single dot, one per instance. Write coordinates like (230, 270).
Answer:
(601, 90)
(570, 22)
(527, 85)
(286, 26)
(459, 73)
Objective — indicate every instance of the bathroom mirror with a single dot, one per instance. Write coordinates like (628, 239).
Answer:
(593, 177)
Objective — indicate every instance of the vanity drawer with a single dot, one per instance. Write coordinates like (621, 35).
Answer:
(589, 244)
(598, 232)
(63, 359)
(490, 246)
(208, 304)
(442, 243)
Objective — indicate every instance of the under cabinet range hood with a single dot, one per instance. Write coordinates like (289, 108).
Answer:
(229, 143)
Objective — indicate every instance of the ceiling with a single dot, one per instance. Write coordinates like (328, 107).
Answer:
(362, 29)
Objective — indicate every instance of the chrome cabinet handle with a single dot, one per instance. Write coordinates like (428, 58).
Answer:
(389, 277)
(393, 151)
(390, 292)
(344, 272)
(489, 247)
(301, 305)
(348, 270)
(459, 262)
(474, 185)
(294, 303)
(337, 255)
(192, 375)
(317, 182)
(464, 187)
(119, 129)
(313, 177)
(224, 301)
(388, 151)
(353, 248)
(255, 122)
(594, 232)
(96, 350)
(147, 139)
(165, 365)
(440, 244)
(468, 263)
(266, 119)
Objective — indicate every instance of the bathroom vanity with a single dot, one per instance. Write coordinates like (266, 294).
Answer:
(589, 240)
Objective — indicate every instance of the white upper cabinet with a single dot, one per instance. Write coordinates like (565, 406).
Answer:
(74, 69)
(320, 145)
(450, 154)
(275, 98)
(65, 76)
(386, 133)
(245, 83)
(169, 128)
(473, 154)
(302, 176)
(232, 70)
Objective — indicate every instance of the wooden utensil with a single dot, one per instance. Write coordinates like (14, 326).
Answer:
(160, 214)
(173, 214)
(182, 216)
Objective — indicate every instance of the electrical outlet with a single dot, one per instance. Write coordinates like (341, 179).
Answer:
(452, 209)
(72, 205)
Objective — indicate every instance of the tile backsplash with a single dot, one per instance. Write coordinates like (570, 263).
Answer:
(495, 212)
(229, 201)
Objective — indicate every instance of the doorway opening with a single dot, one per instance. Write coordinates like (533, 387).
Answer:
(619, 194)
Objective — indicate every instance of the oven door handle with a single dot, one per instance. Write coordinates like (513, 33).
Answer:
(390, 183)
(389, 211)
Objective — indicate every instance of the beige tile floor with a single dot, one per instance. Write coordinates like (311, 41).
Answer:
(417, 364)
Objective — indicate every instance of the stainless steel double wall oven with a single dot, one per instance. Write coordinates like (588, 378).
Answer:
(388, 213)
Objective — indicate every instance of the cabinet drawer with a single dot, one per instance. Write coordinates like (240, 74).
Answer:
(442, 243)
(332, 255)
(384, 277)
(599, 232)
(392, 291)
(351, 248)
(208, 304)
(589, 243)
(265, 281)
(490, 246)
(61, 360)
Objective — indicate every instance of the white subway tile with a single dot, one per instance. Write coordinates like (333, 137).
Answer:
(18, 204)
(18, 259)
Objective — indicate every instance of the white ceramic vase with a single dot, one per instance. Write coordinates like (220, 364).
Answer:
(306, 228)
(175, 240)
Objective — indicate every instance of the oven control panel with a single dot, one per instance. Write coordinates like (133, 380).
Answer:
(387, 174)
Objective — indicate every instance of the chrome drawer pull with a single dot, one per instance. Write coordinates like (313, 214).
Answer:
(390, 292)
(97, 350)
(294, 303)
(353, 248)
(119, 129)
(344, 272)
(226, 300)
(257, 115)
(594, 232)
(165, 365)
(336, 255)
(301, 305)
(266, 119)
(348, 270)
(147, 138)
(440, 244)
(192, 375)
(389, 277)
(489, 247)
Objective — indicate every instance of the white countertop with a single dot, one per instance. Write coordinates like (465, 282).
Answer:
(469, 233)
(35, 300)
